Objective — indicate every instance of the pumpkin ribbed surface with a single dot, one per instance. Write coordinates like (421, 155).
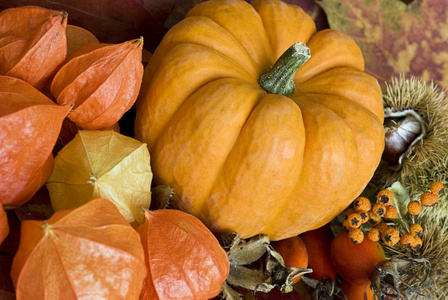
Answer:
(242, 159)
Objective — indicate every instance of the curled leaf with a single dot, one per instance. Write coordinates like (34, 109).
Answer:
(87, 253)
(102, 83)
(33, 43)
(184, 259)
(29, 126)
(102, 164)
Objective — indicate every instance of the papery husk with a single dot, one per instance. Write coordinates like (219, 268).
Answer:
(87, 253)
(33, 43)
(103, 164)
(101, 81)
(69, 131)
(183, 257)
(78, 37)
(29, 126)
(428, 161)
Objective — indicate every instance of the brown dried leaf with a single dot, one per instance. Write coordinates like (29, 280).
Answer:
(101, 82)
(33, 43)
(29, 126)
(396, 37)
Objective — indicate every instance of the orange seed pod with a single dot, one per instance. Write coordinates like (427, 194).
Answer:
(364, 217)
(348, 211)
(356, 235)
(379, 209)
(346, 225)
(385, 197)
(374, 219)
(374, 235)
(355, 220)
(382, 227)
(414, 207)
(429, 199)
(417, 244)
(407, 241)
(416, 230)
(390, 237)
(391, 212)
(437, 188)
(362, 204)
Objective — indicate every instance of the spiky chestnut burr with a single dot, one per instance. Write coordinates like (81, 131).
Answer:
(416, 135)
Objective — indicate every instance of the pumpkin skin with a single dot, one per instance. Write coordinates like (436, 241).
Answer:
(244, 160)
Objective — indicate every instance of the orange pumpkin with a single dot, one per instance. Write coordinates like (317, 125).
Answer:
(279, 157)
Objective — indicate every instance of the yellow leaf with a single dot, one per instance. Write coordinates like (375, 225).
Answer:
(102, 164)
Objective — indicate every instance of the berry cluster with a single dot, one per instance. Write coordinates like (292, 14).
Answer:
(377, 216)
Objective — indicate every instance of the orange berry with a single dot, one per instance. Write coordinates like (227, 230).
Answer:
(382, 227)
(374, 219)
(390, 236)
(346, 225)
(364, 217)
(417, 244)
(391, 212)
(374, 235)
(362, 204)
(429, 199)
(355, 220)
(437, 188)
(356, 235)
(416, 230)
(414, 207)
(385, 197)
(348, 211)
(407, 241)
(379, 209)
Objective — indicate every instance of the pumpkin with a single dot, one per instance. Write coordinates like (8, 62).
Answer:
(252, 134)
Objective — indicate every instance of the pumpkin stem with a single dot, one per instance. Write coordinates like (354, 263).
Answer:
(279, 79)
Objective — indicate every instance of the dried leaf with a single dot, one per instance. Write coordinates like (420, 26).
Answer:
(245, 252)
(89, 252)
(401, 199)
(33, 43)
(103, 164)
(29, 126)
(102, 83)
(184, 259)
(396, 37)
